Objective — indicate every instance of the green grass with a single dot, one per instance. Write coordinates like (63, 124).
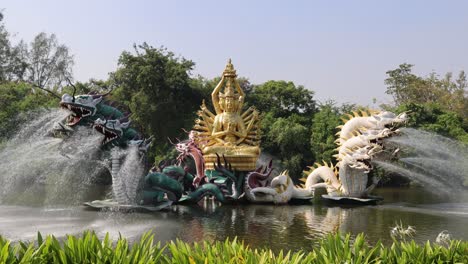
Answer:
(88, 248)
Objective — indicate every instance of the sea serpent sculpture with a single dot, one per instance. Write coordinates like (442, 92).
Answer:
(359, 141)
(122, 147)
(182, 186)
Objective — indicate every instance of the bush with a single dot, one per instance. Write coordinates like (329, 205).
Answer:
(333, 249)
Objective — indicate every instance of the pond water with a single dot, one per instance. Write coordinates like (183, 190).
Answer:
(277, 227)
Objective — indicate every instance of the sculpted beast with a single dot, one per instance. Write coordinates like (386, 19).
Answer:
(358, 142)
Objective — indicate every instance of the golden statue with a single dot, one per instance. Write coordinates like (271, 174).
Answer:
(229, 133)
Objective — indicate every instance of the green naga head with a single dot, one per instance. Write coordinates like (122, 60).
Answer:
(80, 106)
(115, 131)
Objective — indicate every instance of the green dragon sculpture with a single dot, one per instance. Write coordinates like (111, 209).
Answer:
(84, 110)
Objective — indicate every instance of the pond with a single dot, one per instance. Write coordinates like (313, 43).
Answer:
(278, 227)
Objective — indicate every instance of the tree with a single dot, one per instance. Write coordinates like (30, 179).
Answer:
(283, 99)
(432, 117)
(288, 140)
(287, 117)
(12, 63)
(323, 132)
(449, 94)
(48, 62)
(156, 86)
(16, 98)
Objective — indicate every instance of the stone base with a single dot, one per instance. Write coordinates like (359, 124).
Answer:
(238, 162)
(353, 200)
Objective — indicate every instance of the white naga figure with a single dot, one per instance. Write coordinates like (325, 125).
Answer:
(359, 140)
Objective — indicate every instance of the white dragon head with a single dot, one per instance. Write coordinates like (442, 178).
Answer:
(389, 119)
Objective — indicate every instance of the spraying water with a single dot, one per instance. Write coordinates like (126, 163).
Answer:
(437, 162)
(37, 169)
(126, 175)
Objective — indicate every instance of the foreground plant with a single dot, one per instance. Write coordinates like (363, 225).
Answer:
(399, 232)
(88, 248)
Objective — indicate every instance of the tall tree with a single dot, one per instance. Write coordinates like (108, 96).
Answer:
(49, 63)
(432, 92)
(288, 110)
(12, 62)
(156, 86)
(288, 140)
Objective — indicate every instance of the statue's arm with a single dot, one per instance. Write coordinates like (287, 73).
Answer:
(215, 96)
(241, 104)
(241, 96)
(239, 89)
(242, 134)
(249, 126)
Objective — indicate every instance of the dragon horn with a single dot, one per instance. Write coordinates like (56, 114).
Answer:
(49, 91)
(101, 95)
(225, 162)
(127, 117)
(259, 169)
(170, 141)
(218, 165)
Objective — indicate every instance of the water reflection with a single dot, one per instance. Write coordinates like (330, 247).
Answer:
(276, 227)
(299, 227)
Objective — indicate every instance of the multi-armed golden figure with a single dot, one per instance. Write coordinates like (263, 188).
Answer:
(230, 132)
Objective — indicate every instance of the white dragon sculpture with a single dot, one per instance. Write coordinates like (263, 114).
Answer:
(359, 140)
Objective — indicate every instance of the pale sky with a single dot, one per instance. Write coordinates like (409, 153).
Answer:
(339, 49)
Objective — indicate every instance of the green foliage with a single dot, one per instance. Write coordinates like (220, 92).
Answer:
(445, 94)
(323, 132)
(283, 99)
(287, 118)
(155, 85)
(16, 98)
(85, 249)
(47, 61)
(289, 139)
(432, 117)
(88, 248)
(12, 65)
(44, 62)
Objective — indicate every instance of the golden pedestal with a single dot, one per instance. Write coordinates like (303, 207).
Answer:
(238, 162)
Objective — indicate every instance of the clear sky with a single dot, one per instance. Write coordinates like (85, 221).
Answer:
(339, 49)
